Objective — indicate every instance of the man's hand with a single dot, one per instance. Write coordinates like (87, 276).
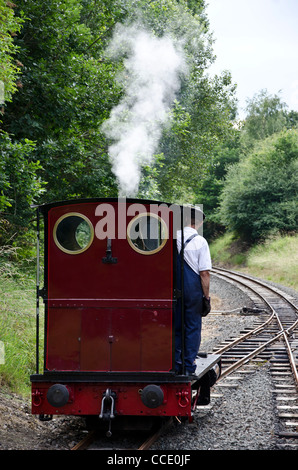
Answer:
(206, 306)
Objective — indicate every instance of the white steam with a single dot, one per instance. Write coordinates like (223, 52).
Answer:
(152, 71)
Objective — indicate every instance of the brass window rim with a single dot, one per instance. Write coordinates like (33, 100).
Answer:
(71, 214)
(164, 241)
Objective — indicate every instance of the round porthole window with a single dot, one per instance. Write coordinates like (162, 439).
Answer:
(73, 233)
(147, 233)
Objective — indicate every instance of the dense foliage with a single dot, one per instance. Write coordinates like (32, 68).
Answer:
(67, 88)
(260, 193)
(251, 189)
(9, 68)
(61, 86)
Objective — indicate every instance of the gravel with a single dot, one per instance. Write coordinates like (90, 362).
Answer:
(241, 418)
(238, 418)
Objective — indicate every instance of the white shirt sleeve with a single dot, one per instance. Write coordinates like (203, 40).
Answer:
(196, 253)
(205, 258)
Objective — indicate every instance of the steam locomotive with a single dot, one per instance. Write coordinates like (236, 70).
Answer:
(109, 298)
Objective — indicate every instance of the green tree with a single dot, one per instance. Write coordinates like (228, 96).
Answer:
(68, 90)
(292, 119)
(203, 113)
(225, 155)
(20, 185)
(265, 115)
(10, 25)
(260, 193)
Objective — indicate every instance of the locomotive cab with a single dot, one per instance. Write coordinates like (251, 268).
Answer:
(110, 295)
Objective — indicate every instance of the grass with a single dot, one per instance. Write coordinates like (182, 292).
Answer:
(227, 250)
(17, 329)
(274, 260)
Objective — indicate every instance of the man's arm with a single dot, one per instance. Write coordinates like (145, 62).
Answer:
(205, 281)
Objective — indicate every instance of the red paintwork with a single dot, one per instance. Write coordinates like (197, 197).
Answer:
(108, 317)
(85, 399)
(94, 339)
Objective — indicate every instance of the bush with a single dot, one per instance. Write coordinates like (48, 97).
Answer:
(260, 194)
(20, 186)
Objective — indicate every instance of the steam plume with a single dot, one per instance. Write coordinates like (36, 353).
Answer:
(151, 78)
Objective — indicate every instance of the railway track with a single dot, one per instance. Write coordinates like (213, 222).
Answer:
(274, 339)
(95, 441)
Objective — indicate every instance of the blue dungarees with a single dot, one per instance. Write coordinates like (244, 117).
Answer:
(193, 303)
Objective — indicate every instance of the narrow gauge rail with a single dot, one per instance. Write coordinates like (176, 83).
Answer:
(274, 339)
(149, 439)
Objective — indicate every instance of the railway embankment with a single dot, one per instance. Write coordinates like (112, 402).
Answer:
(241, 417)
(225, 426)
(273, 260)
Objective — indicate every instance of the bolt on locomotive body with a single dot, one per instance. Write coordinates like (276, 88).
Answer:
(110, 294)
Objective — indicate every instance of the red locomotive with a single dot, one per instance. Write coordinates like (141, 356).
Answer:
(110, 293)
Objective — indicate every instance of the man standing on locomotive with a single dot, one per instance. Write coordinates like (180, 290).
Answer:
(196, 275)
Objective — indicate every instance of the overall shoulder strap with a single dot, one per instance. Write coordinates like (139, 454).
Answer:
(189, 239)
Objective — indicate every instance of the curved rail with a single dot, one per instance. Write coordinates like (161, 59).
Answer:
(230, 273)
(149, 440)
(283, 332)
